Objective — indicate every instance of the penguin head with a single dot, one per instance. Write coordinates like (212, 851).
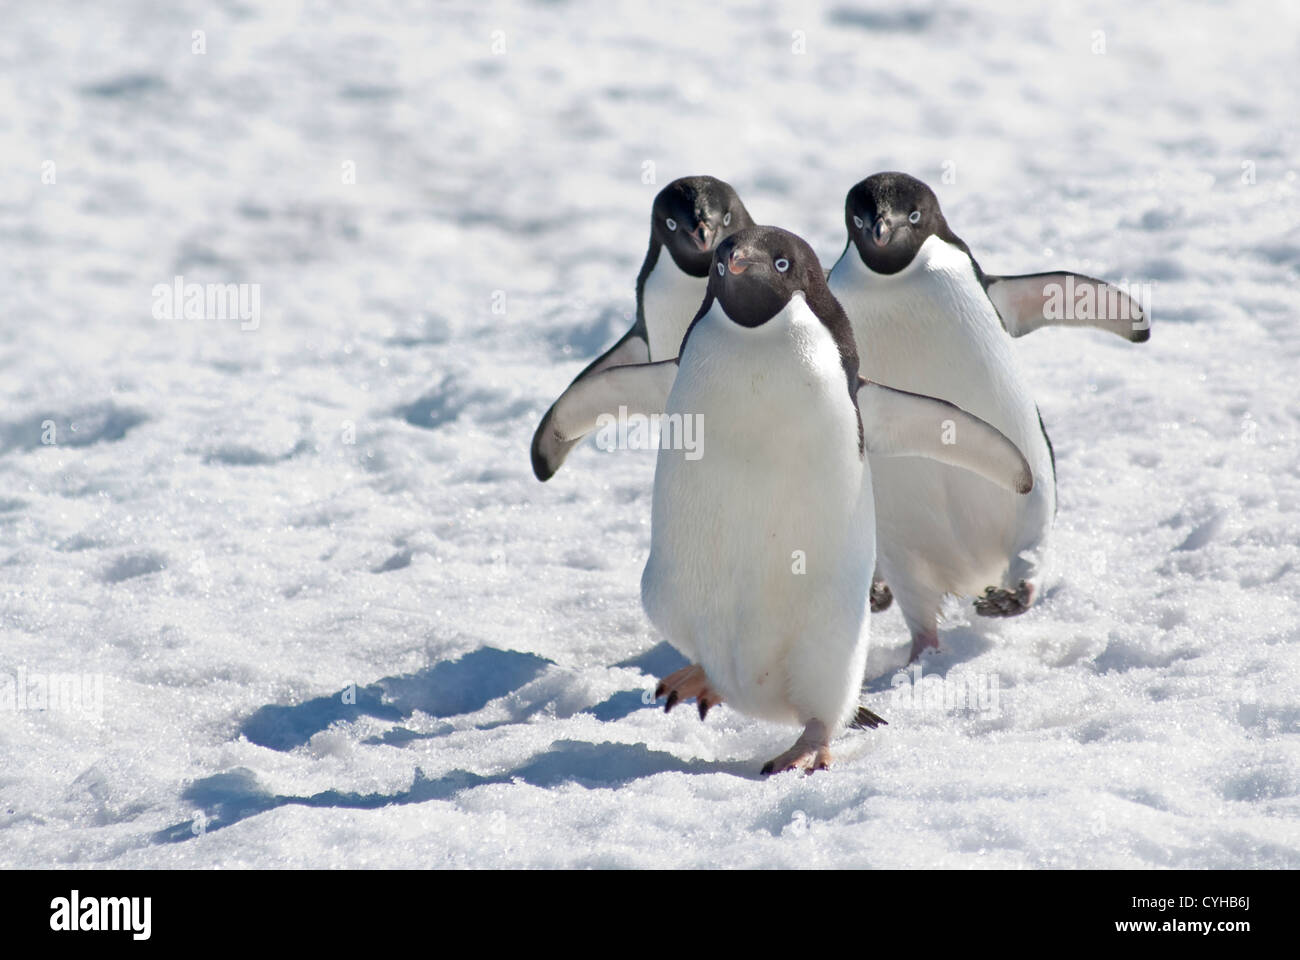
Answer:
(889, 216)
(692, 215)
(758, 269)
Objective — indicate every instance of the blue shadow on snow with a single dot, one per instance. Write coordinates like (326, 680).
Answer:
(227, 798)
(443, 690)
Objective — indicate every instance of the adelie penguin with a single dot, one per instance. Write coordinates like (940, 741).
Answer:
(762, 547)
(929, 319)
(689, 218)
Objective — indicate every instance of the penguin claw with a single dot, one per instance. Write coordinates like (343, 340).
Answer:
(689, 682)
(808, 763)
(810, 753)
(997, 602)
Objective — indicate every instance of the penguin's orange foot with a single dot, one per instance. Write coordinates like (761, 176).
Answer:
(1005, 603)
(810, 753)
(881, 596)
(686, 683)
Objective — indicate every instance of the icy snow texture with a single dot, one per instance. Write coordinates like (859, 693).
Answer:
(203, 537)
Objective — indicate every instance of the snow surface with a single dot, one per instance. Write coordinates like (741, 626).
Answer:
(201, 535)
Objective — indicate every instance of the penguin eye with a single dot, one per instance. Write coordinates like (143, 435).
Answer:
(857, 221)
(721, 268)
(914, 216)
(672, 224)
(726, 219)
(781, 264)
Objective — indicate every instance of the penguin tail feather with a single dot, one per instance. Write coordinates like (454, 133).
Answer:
(866, 720)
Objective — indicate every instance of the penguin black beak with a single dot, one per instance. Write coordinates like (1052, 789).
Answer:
(703, 236)
(881, 231)
(739, 262)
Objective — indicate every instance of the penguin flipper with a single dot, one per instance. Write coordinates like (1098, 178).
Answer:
(632, 347)
(1065, 299)
(641, 388)
(896, 423)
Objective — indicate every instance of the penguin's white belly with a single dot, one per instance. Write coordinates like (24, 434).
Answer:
(669, 301)
(931, 330)
(762, 549)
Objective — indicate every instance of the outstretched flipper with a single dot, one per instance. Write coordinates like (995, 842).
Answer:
(642, 388)
(631, 348)
(1064, 299)
(896, 423)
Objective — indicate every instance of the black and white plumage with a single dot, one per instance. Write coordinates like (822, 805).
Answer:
(928, 319)
(762, 547)
(689, 218)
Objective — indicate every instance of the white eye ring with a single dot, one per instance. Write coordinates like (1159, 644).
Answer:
(914, 216)
(721, 268)
(726, 219)
(857, 222)
(672, 224)
(781, 264)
